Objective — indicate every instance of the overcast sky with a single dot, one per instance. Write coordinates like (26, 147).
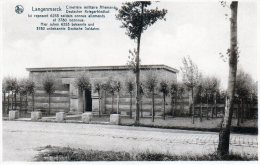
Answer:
(198, 29)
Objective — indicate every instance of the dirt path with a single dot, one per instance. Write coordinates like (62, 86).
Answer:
(22, 139)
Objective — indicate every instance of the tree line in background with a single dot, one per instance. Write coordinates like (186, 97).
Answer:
(206, 90)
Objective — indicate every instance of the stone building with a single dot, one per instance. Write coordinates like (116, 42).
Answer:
(68, 98)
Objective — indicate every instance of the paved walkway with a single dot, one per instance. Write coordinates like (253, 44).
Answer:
(21, 139)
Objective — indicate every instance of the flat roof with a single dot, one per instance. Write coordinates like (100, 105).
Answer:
(100, 68)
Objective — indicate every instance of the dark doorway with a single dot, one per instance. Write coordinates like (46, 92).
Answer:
(88, 101)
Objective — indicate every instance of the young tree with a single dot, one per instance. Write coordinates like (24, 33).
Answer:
(22, 91)
(181, 91)
(214, 90)
(4, 91)
(151, 84)
(11, 85)
(49, 86)
(200, 94)
(242, 90)
(164, 88)
(117, 89)
(82, 82)
(97, 88)
(141, 97)
(30, 88)
(207, 87)
(224, 134)
(129, 83)
(211, 85)
(253, 97)
(174, 94)
(191, 77)
(16, 91)
(112, 91)
(105, 87)
(137, 17)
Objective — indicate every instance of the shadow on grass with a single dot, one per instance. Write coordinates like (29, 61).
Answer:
(50, 153)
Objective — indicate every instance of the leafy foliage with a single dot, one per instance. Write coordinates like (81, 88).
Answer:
(130, 85)
(4, 85)
(30, 86)
(243, 84)
(82, 82)
(49, 83)
(23, 87)
(114, 86)
(173, 89)
(151, 81)
(181, 90)
(164, 87)
(105, 86)
(134, 21)
(10, 84)
(97, 86)
(211, 84)
(190, 71)
(117, 85)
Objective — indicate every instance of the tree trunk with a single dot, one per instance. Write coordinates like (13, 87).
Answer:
(164, 107)
(215, 105)
(153, 107)
(238, 114)
(172, 106)
(117, 108)
(212, 111)
(207, 107)
(141, 107)
(224, 134)
(192, 105)
(4, 103)
(242, 110)
(130, 105)
(15, 101)
(183, 103)
(33, 102)
(49, 103)
(138, 69)
(84, 101)
(99, 104)
(200, 109)
(250, 106)
(26, 103)
(12, 100)
(112, 103)
(247, 109)
(105, 98)
(20, 103)
(8, 102)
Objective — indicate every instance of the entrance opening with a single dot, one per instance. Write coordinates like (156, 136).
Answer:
(88, 98)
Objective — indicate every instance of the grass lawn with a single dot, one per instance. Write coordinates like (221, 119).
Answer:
(50, 153)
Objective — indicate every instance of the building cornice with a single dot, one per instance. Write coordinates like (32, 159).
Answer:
(100, 68)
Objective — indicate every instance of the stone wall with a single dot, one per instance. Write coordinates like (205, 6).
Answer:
(67, 98)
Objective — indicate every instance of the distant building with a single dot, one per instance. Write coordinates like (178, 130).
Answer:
(67, 98)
